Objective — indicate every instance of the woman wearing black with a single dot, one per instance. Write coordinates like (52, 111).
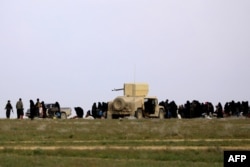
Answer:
(32, 110)
(58, 110)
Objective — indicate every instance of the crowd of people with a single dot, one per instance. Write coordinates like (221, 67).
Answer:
(191, 109)
(195, 109)
(37, 109)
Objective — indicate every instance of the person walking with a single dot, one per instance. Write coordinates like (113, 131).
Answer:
(19, 108)
(8, 108)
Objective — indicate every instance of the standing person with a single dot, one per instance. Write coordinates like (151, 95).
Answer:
(32, 110)
(219, 111)
(58, 110)
(8, 108)
(94, 110)
(44, 115)
(19, 108)
(38, 107)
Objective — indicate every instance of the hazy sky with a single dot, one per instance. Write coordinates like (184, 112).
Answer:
(76, 51)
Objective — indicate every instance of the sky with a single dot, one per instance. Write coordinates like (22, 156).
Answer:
(76, 51)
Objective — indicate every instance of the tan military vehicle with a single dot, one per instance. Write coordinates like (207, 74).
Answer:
(135, 102)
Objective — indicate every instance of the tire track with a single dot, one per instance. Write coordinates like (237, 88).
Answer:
(18, 145)
(174, 148)
(121, 141)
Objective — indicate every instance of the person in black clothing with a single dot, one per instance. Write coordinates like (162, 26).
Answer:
(94, 110)
(58, 111)
(219, 110)
(32, 109)
(79, 112)
(44, 109)
(8, 108)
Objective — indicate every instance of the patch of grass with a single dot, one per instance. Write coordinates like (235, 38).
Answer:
(113, 158)
(18, 135)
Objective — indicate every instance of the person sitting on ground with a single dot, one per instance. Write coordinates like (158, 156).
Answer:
(79, 113)
(89, 116)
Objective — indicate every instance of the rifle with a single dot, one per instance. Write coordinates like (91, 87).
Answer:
(118, 89)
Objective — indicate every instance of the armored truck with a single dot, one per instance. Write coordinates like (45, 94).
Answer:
(135, 102)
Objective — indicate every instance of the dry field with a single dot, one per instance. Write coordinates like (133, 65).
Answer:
(147, 142)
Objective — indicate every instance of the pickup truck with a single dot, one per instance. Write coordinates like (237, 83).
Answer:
(51, 112)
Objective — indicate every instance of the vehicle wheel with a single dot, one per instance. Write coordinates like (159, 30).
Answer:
(109, 115)
(63, 115)
(50, 113)
(161, 114)
(118, 104)
(138, 114)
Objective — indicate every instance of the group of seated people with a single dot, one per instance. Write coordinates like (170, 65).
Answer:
(89, 115)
